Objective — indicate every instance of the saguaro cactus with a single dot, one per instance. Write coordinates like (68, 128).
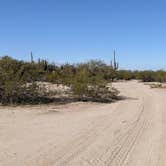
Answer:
(45, 65)
(115, 63)
(113, 68)
(32, 57)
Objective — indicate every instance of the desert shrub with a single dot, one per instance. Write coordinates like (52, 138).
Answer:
(157, 85)
(13, 92)
(98, 93)
(101, 93)
(89, 84)
(53, 77)
(125, 75)
(80, 83)
(14, 76)
(160, 76)
(147, 76)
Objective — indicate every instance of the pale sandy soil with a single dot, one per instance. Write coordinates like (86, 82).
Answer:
(131, 132)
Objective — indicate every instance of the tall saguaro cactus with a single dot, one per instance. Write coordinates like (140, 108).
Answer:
(114, 67)
(32, 57)
(115, 63)
(45, 65)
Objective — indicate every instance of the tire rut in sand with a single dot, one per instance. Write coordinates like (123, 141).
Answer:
(122, 149)
(118, 153)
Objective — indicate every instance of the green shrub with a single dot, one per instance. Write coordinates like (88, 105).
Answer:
(14, 76)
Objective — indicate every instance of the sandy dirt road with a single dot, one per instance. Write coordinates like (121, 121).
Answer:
(130, 132)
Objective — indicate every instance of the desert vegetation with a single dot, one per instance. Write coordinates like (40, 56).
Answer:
(30, 82)
(145, 76)
(24, 82)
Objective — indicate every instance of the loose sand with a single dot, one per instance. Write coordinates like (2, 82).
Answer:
(130, 132)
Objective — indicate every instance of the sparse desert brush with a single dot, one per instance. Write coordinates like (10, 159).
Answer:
(13, 86)
(92, 86)
(156, 85)
(13, 92)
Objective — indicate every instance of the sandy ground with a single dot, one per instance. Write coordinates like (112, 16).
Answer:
(131, 132)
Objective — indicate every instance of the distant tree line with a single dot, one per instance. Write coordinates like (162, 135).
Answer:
(145, 76)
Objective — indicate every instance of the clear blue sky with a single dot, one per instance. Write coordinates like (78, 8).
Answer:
(78, 30)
